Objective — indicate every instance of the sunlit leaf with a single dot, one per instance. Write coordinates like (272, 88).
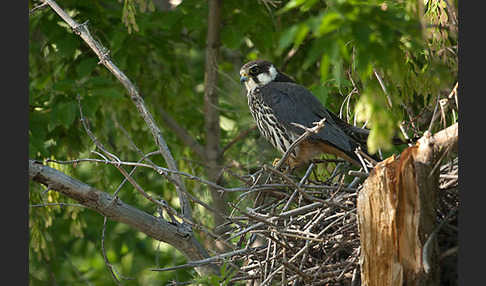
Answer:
(330, 22)
(324, 67)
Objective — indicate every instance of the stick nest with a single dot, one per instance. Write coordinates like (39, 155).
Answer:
(299, 231)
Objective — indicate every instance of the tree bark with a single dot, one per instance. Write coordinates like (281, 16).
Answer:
(396, 214)
(117, 210)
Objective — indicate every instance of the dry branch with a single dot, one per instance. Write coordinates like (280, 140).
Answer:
(117, 210)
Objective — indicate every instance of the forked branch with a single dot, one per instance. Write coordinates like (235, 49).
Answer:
(117, 210)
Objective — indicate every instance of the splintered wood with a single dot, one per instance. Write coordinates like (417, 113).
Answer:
(390, 213)
(397, 215)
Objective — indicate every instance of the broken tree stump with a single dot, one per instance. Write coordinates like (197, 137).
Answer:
(397, 214)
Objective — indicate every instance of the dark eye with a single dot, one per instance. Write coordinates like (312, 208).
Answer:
(255, 70)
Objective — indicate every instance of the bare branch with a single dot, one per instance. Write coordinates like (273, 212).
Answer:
(209, 260)
(382, 84)
(445, 139)
(110, 266)
(103, 55)
(40, 6)
(102, 202)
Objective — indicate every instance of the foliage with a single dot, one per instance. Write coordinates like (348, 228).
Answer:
(360, 37)
(333, 47)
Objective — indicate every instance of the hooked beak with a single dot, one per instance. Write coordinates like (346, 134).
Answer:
(243, 79)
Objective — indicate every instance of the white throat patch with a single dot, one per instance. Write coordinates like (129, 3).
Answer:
(265, 78)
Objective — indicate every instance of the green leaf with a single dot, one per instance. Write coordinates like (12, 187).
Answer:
(324, 68)
(291, 5)
(330, 22)
(67, 45)
(344, 50)
(90, 105)
(64, 113)
(337, 72)
(64, 85)
(301, 34)
(321, 92)
(287, 38)
(98, 81)
(231, 38)
(110, 92)
(86, 66)
(37, 133)
(318, 47)
(307, 5)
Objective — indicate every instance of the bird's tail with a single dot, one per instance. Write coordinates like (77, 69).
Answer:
(361, 134)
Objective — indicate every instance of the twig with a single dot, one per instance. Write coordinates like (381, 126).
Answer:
(434, 115)
(38, 7)
(361, 160)
(117, 164)
(389, 102)
(306, 175)
(358, 174)
(105, 258)
(426, 252)
(307, 133)
(240, 136)
(57, 204)
(213, 259)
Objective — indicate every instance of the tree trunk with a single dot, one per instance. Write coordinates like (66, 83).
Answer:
(396, 214)
(211, 112)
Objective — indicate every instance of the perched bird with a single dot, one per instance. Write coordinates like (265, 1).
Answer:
(276, 101)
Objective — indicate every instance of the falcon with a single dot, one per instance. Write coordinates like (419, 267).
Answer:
(276, 101)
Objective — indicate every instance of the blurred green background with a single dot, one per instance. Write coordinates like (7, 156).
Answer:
(332, 47)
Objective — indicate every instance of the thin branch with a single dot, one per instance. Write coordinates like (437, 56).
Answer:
(209, 260)
(307, 133)
(105, 258)
(382, 84)
(240, 136)
(435, 114)
(38, 7)
(57, 205)
(160, 170)
(117, 165)
(103, 55)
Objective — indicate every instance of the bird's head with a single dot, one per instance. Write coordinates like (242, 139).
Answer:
(257, 74)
